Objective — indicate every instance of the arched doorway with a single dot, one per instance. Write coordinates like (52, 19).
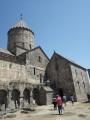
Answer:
(3, 98)
(60, 91)
(35, 95)
(16, 97)
(26, 95)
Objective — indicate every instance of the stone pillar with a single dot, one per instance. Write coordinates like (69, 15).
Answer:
(21, 100)
(8, 99)
(31, 97)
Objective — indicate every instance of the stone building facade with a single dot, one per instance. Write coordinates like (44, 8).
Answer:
(67, 77)
(22, 67)
(26, 73)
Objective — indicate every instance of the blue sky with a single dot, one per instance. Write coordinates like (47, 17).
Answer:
(60, 25)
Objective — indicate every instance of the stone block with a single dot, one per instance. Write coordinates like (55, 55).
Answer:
(2, 113)
(9, 115)
(25, 111)
(3, 107)
(11, 105)
(29, 108)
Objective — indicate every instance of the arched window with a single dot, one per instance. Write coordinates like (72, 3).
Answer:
(40, 78)
(78, 84)
(39, 59)
(30, 47)
(76, 73)
(23, 45)
(34, 70)
(83, 84)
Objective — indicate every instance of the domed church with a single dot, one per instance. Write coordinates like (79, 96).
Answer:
(27, 76)
(22, 67)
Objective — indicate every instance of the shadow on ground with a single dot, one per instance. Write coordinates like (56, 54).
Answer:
(86, 102)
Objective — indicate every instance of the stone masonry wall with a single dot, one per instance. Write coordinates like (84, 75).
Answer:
(11, 70)
(19, 51)
(49, 97)
(81, 82)
(59, 74)
(36, 64)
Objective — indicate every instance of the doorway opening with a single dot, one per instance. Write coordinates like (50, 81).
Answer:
(3, 98)
(35, 95)
(60, 91)
(26, 95)
(16, 97)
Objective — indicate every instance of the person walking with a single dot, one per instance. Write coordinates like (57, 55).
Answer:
(59, 104)
(72, 99)
(64, 99)
(55, 103)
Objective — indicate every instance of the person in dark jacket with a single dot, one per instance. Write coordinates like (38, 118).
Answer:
(55, 103)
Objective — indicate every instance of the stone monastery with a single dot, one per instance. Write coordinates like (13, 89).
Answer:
(27, 74)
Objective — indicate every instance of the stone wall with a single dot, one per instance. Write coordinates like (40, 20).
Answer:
(81, 82)
(25, 67)
(11, 69)
(59, 74)
(67, 77)
(36, 63)
(49, 97)
(19, 50)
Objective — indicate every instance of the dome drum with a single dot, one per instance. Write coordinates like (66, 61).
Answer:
(20, 35)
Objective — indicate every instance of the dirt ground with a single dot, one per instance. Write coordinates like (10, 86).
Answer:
(79, 111)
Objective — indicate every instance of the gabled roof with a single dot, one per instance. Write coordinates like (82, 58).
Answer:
(47, 88)
(70, 61)
(40, 49)
(5, 51)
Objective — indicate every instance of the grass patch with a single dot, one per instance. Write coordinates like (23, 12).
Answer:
(82, 115)
(12, 111)
(69, 113)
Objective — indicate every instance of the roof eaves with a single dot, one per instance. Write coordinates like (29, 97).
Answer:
(70, 61)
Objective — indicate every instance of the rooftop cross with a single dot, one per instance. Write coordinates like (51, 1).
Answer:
(21, 16)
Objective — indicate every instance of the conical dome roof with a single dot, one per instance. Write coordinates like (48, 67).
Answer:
(21, 24)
